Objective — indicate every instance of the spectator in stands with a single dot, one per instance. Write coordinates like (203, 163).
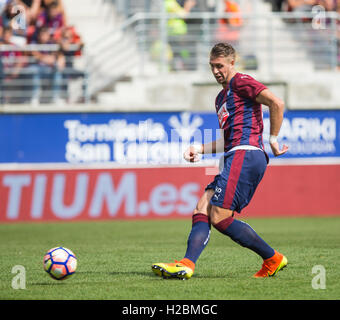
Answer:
(1, 30)
(69, 41)
(46, 25)
(177, 26)
(46, 3)
(52, 17)
(337, 9)
(229, 28)
(48, 64)
(35, 7)
(71, 46)
(329, 5)
(1, 64)
(301, 5)
(177, 30)
(13, 60)
(12, 65)
(50, 13)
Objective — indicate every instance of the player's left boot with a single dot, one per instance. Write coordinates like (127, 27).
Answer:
(271, 266)
(172, 270)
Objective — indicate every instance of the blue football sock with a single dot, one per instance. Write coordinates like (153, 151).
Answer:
(245, 235)
(199, 236)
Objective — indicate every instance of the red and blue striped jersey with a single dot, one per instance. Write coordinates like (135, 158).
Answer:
(239, 115)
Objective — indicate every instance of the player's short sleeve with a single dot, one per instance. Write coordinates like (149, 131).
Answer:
(247, 87)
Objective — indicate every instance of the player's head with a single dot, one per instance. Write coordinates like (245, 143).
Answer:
(7, 35)
(53, 9)
(222, 61)
(44, 35)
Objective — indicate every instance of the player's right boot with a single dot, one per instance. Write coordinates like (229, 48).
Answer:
(172, 270)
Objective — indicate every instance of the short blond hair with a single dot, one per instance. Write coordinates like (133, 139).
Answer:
(223, 50)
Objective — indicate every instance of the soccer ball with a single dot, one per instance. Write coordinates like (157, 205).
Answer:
(60, 263)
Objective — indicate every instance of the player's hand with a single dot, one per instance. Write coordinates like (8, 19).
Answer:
(276, 149)
(191, 154)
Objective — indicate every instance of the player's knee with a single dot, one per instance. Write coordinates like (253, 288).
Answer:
(199, 210)
(218, 214)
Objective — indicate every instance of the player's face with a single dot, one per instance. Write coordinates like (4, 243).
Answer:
(221, 67)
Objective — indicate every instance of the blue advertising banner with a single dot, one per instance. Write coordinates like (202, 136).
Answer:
(148, 138)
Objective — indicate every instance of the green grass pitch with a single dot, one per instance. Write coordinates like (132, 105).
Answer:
(115, 257)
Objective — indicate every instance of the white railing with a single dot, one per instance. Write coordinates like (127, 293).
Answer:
(274, 39)
(25, 80)
(271, 43)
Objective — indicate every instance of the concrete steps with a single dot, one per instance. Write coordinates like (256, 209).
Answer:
(110, 53)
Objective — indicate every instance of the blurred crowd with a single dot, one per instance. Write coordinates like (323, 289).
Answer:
(181, 50)
(228, 30)
(44, 22)
(304, 5)
(307, 6)
(24, 68)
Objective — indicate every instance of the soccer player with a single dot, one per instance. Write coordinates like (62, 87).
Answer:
(239, 111)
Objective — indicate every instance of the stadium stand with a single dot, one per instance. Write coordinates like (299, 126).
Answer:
(103, 48)
(284, 49)
(38, 53)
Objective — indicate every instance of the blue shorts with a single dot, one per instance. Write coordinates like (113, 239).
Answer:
(235, 185)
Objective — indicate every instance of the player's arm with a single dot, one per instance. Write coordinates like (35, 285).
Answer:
(217, 146)
(276, 108)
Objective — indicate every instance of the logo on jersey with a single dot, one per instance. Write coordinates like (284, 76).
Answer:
(223, 114)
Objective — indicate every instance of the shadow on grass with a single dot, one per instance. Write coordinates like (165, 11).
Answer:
(126, 274)
(130, 273)
(118, 273)
(47, 283)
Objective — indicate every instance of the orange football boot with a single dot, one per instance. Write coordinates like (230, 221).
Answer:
(271, 266)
